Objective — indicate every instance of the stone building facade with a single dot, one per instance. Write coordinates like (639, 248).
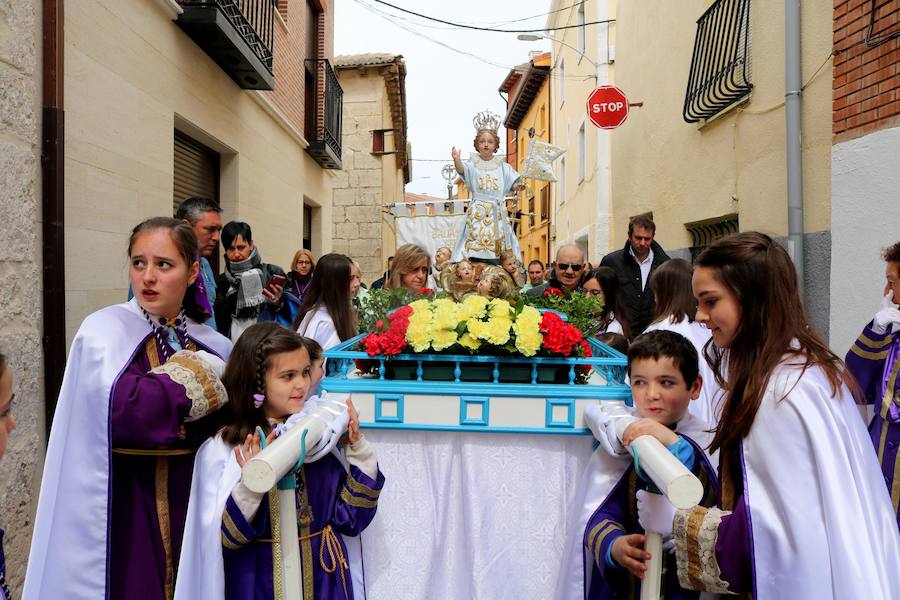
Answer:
(376, 158)
(20, 270)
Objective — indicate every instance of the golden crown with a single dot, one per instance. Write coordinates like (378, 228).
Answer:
(486, 120)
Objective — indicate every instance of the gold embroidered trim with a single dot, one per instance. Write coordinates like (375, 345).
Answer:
(352, 500)
(199, 381)
(612, 527)
(277, 570)
(863, 338)
(592, 536)
(233, 530)
(889, 390)
(361, 488)
(228, 543)
(695, 532)
(882, 441)
(727, 481)
(868, 355)
(305, 541)
(162, 515)
(154, 451)
(152, 352)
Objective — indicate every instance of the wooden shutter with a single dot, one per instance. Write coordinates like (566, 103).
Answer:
(196, 170)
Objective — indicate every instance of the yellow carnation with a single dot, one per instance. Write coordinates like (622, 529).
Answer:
(468, 341)
(497, 331)
(442, 339)
(500, 308)
(445, 314)
(472, 307)
(418, 336)
(420, 305)
(528, 339)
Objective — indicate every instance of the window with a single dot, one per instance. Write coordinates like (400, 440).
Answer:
(545, 203)
(580, 21)
(543, 120)
(562, 81)
(705, 232)
(720, 67)
(562, 180)
(582, 150)
(196, 173)
(307, 227)
(533, 216)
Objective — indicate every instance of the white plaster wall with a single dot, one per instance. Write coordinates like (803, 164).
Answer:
(865, 218)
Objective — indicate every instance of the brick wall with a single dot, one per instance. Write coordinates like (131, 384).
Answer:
(866, 87)
(290, 54)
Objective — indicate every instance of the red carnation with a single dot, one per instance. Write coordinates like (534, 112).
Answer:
(552, 291)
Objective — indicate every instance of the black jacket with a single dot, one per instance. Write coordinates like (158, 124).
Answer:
(553, 282)
(639, 302)
(225, 305)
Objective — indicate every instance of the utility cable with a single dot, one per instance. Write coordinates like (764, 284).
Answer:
(476, 28)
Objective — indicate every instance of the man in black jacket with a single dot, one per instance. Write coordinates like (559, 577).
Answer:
(633, 265)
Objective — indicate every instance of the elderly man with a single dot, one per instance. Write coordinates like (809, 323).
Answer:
(633, 265)
(874, 359)
(205, 216)
(567, 272)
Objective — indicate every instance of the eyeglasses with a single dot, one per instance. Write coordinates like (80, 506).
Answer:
(566, 266)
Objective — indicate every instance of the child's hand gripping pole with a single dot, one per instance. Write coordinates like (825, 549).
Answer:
(676, 483)
(277, 465)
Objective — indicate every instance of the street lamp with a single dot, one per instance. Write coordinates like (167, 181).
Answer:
(528, 37)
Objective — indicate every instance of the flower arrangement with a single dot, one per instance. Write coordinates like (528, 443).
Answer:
(476, 324)
(582, 310)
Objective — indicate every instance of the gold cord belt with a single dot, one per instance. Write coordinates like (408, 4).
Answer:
(153, 452)
(330, 544)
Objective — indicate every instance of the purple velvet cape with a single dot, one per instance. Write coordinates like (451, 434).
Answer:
(344, 501)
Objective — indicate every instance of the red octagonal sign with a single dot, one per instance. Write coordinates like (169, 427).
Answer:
(607, 107)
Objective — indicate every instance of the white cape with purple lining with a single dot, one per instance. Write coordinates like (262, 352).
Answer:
(822, 521)
(600, 476)
(68, 557)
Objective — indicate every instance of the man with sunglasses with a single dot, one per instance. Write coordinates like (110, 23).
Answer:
(633, 265)
(567, 271)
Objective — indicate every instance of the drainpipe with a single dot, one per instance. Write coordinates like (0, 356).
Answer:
(794, 132)
(52, 202)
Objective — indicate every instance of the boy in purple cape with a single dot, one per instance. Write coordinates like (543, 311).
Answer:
(117, 475)
(664, 373)
(874, 359)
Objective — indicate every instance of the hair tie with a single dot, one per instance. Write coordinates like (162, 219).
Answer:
(258, 400)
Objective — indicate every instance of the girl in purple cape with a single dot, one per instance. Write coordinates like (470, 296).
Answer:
(230, 528)
(7, 424)
(802, 509)
(140, 380)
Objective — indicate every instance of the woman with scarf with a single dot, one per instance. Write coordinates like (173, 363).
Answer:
(245, 292)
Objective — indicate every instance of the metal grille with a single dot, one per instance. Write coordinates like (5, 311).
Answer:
(720, 66)
(329, 105)
(703, 233)
(254, 20)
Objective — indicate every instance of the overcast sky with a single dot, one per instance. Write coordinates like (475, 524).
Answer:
(444, 89)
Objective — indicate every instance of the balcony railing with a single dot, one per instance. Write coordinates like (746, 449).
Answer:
(324, 134)
(239, 35)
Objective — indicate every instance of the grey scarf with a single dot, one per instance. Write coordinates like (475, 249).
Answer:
(246, 279)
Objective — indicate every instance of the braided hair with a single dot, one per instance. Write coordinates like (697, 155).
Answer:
(245, 375)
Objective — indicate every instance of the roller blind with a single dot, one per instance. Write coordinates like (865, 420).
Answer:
(196, 170)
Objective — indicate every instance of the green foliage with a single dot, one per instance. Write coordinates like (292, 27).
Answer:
(582, 310)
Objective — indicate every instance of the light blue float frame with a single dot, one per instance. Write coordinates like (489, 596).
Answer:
(605, 360)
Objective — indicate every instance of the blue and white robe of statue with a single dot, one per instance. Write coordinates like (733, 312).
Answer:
(487, 231)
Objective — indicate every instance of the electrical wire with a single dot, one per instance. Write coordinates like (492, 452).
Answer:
(476, 28)
(391, 19)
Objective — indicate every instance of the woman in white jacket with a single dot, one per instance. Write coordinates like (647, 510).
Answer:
(326, 314)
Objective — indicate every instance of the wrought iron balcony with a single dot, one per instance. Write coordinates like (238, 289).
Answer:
(237, 34)
(324, 116)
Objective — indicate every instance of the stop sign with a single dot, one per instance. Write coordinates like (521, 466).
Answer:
(607, 107)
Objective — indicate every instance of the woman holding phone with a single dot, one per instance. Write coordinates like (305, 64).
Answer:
(249, 290)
